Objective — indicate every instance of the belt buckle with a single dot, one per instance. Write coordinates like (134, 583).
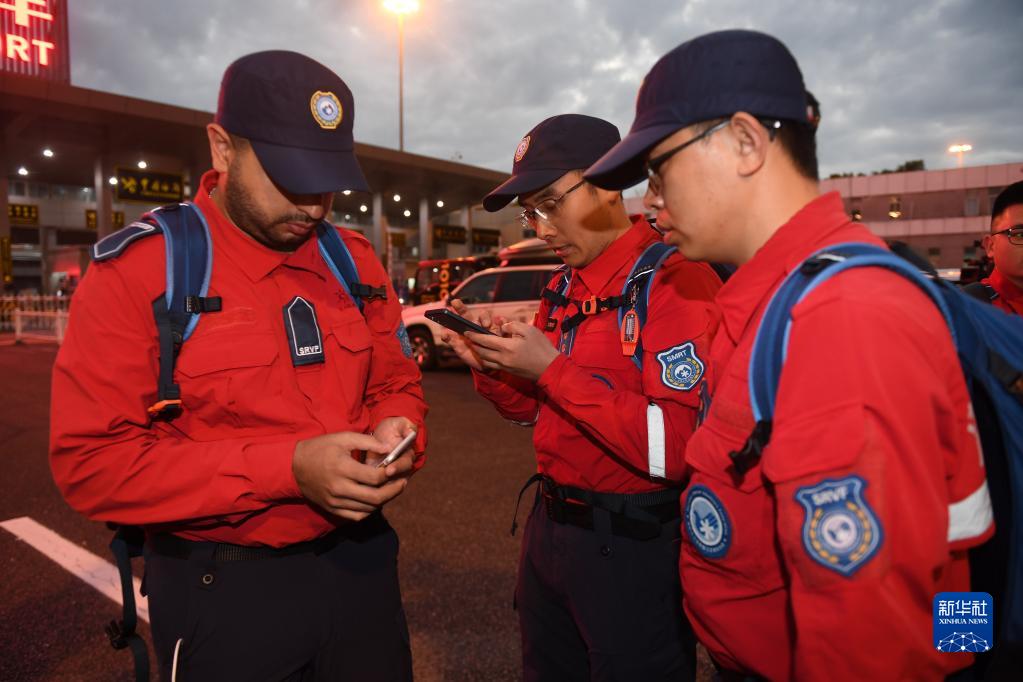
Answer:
(555, 508)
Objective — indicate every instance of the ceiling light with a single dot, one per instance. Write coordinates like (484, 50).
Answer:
(48, 153)
(364, 208)
(440, 204)
(112, 180)
(397, 197)
(407, 213)
(22, 170)
(347, 192)
(142, 165)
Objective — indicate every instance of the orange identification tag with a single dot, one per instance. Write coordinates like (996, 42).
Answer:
(630, 333)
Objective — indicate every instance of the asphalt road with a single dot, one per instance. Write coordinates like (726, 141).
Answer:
(457, 559)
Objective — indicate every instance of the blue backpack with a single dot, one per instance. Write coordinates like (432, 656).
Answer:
(189, 267)
(990, 348)
(189, 250)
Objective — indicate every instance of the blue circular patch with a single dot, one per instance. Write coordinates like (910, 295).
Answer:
(707, 522)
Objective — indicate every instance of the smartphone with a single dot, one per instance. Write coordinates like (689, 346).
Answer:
(398, 449)
(454, 321)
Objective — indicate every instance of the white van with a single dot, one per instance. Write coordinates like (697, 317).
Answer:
(511, 292)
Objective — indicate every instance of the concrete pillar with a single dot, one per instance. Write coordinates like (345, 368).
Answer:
(47, 240)
(425, 231)
(101, 172)
(467, 224)
(379, 231)
(5, 221)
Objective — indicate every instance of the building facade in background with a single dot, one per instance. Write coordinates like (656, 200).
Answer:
(77, 164)
(940, 213)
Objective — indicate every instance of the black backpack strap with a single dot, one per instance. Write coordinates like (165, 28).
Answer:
(127, 544)
(980, 291)
(589, 307)
(177, 310)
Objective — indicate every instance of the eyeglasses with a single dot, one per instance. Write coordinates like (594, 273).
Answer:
(546, 209)
(653, 166)
(1014, 234)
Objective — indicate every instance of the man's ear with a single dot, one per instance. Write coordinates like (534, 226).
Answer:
(988, 244)
(751, 143)
(222, 149)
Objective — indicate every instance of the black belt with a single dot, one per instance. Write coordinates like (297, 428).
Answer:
(178, 548)
(638, 516)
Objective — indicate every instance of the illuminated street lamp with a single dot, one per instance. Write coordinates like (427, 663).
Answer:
(959, 150)
(401, 8)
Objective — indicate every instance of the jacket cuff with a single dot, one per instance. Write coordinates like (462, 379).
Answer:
(269, 467)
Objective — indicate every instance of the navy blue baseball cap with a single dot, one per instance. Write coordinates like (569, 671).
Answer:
(298, 115)
(713, 76)
(554, 147)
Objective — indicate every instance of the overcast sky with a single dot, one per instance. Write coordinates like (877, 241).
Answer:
(897, 79)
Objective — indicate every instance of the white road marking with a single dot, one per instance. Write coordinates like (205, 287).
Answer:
(79, 562)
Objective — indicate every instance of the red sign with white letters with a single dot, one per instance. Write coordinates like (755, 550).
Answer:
(34, 39)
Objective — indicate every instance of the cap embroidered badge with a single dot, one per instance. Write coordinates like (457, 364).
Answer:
(326, 109)
(520, 151)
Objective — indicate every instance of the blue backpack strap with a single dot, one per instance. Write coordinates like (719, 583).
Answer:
(127, 544)
(771, 342)
(638, 283)
(339, 260)
(189, 252)
(557, 296)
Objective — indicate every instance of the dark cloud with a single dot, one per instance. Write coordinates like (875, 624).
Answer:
(897, 80)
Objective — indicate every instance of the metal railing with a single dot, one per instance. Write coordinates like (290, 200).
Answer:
(46, 325)
(33, 303)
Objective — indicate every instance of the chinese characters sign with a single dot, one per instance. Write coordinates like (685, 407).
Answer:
(23, 214)
(153, 188)
(451, 234)
(34, 39)
(90, 219)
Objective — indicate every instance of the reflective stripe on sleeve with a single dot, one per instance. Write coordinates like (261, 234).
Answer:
(655, 440)
(971, 516)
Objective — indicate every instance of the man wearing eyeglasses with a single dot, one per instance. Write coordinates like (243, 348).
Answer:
(1004, 246)
(613, 403)
(818, 555)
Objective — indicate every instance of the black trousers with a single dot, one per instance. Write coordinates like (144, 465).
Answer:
(336, 615)
(593, 606)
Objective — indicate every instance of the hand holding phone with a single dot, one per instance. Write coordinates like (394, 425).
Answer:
(455, 322)
(398, 449)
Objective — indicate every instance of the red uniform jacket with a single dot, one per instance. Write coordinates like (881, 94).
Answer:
(823, 560)
(1010, 296)
(600, 424)
(222, 470)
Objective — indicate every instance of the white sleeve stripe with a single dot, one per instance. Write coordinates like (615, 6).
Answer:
(655, 440)
(971, 516)
(536, 417)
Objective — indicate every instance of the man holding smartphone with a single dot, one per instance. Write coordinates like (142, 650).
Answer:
(613, 402)
(267, 557)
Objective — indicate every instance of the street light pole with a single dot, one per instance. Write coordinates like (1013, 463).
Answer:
(401, 8)
(401, 83)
